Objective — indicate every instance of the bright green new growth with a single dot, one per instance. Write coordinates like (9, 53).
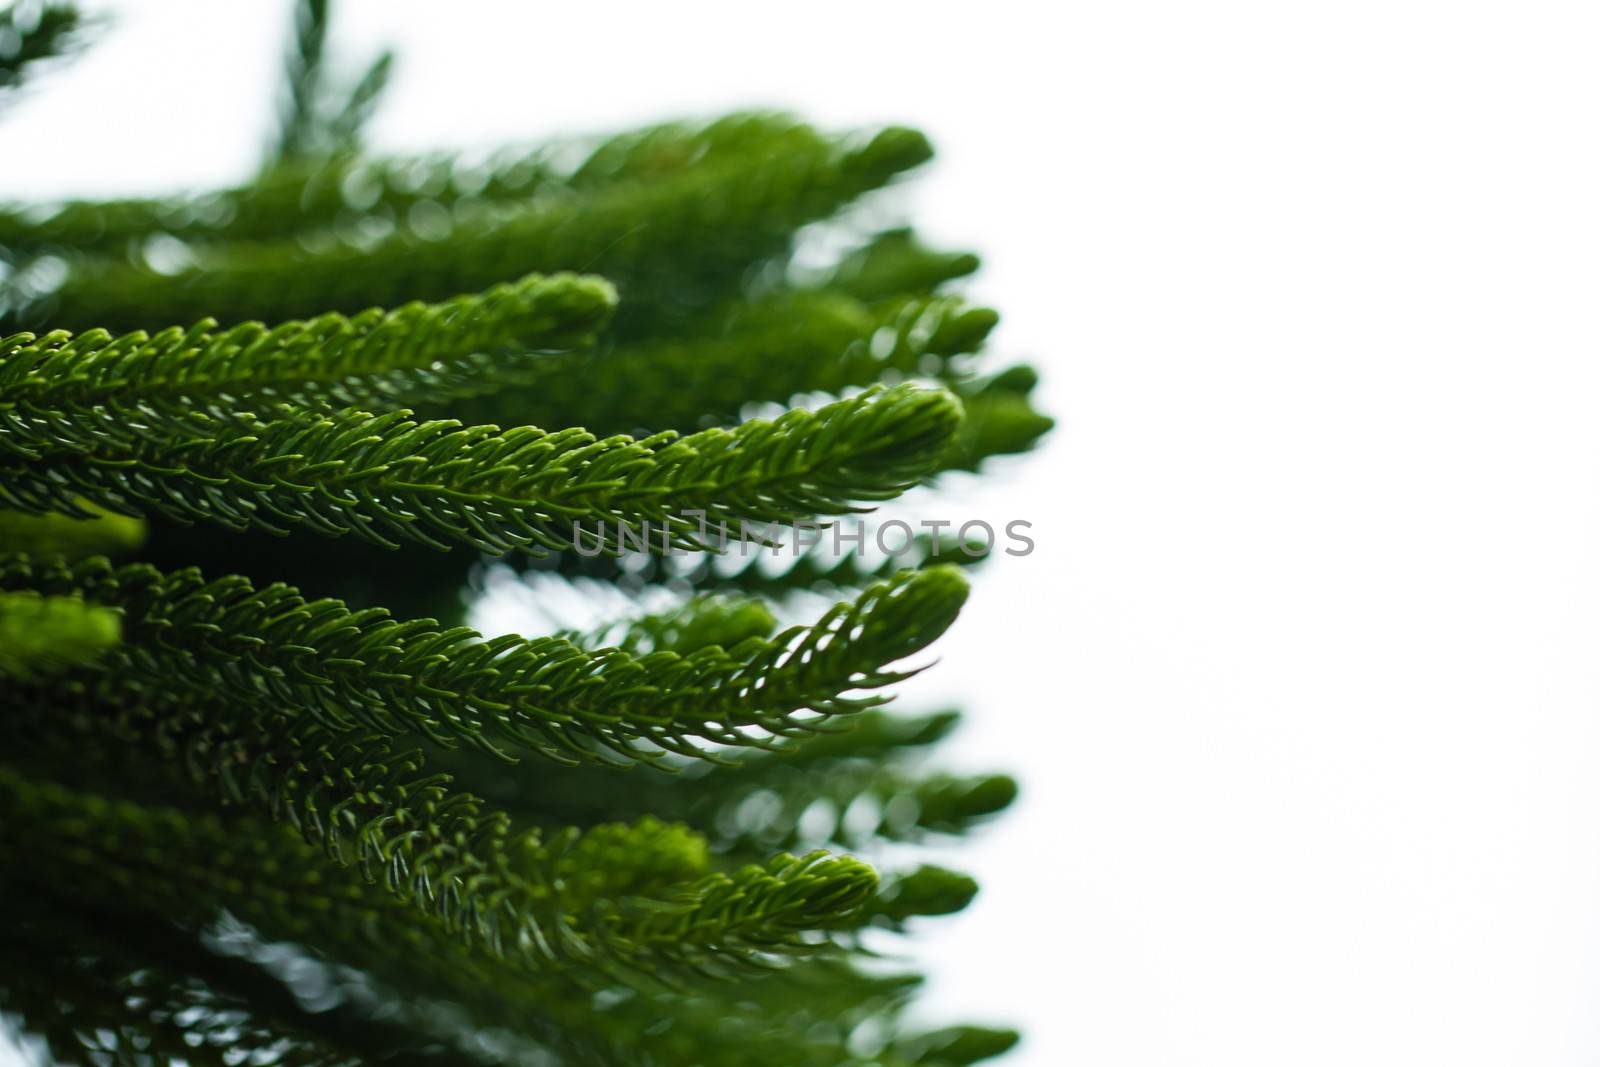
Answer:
(250, 814)
(97, 533)
(47, 634)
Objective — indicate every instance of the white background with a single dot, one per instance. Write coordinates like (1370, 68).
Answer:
(1303, 682)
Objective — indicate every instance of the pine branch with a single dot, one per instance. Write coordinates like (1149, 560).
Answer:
(49, 634)
(998, 419)
(902, 806)
(818, 1013)
(878, 736)
(955, 1046)
(348, 790)
(314, 120)
(296, 195)
(384, 478)
(361, 669)
(768, 351)
(893, 264)
(925, 891)
(856, 780)
(331, 356)
(130, 985)
(31, 35)
(760, 908)
(342, 786)
(98, 534)
(699, 623)
(759, 804)
(779, 349)
(345, 791)
(120, 993)
(166, 862)
(139, 986)
(731, 213)
(346, 121)
(303, 70)
(314, 195)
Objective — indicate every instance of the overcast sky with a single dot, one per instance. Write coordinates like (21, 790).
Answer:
(1303, 681)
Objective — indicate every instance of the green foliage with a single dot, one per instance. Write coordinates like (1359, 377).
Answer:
(331, 359)
(584, 900)
(321, 194)
(764, 351)
(314, 119)
(120, 995)
(634, 233)
(387, 478)
(853, 784)
(186, 638)
(47, 634)
(31, 34)
(96, 533)
(245, 823)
